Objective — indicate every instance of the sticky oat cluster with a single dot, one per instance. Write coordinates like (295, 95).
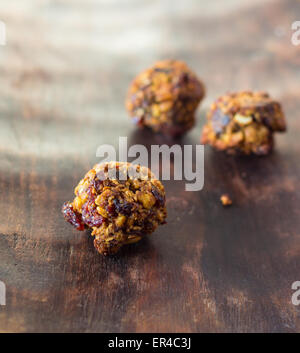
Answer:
(165, 97)
(120, 207)
(244, 123)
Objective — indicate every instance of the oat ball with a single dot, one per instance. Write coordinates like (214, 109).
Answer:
(243, 123)
(165, 97)
(120, 202)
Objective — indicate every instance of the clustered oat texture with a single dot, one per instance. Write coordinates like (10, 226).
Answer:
(243, 123)
(165, 97)
(119, 208)
(122, 208)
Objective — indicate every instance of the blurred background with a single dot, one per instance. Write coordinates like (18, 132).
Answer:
(68, 63)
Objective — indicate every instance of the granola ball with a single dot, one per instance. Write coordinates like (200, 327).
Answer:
(165, 98)
(120, 202)
(243, 123)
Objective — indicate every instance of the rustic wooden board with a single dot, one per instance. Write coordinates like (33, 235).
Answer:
(64, 74)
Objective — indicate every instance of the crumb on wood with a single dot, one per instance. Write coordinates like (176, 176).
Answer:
(226, 200)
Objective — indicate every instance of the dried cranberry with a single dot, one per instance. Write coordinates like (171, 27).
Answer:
(72, 216)
(111, 209)
(90, 216)
(97, 183)
(91, 193)
(123, 208)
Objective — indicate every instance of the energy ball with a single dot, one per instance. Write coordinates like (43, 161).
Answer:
(243, 123)
(120, 202)
(165, 97)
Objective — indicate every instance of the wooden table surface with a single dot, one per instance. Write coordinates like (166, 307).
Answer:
(64, 74)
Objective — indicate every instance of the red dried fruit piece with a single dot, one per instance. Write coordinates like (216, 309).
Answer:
(72, 216)
(90, 216)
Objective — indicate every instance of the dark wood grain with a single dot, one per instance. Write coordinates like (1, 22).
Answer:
(64, 75)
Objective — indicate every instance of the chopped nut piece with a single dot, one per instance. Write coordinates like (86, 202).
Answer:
(226, 200)
(120, 220)
(102, 211)
(165, 98)
(243, 120)
(118, 211)
(148, 200)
